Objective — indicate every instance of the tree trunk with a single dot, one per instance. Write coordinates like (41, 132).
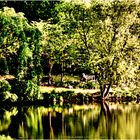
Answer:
(62, 71)
(107, 90)
(50, 73)
(104, 89)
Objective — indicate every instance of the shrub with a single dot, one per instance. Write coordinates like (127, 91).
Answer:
(88, 85)
(7, 96)
(4, 86)
(26, 90)
(59, 84)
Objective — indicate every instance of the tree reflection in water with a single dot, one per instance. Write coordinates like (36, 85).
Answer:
(95, 121)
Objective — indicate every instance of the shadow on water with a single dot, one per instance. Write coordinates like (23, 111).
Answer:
(101, 120)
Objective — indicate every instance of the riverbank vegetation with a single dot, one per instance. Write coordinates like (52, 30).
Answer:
(54, 47)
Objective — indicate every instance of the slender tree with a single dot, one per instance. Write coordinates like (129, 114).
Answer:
(105, 30)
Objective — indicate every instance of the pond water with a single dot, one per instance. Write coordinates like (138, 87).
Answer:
(94, 121)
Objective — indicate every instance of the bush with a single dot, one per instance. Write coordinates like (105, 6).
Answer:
(59, 84)
(26, 90)
(88, 85)
(7, 96)
(4, 86)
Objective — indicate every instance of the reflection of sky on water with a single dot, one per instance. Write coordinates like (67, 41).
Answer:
(95, 121)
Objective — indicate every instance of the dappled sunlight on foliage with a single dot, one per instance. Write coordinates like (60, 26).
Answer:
(99, 38)
(49, 62)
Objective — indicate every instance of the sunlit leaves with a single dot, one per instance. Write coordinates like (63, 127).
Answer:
(11, 26)
(106, 30)
(25, 53)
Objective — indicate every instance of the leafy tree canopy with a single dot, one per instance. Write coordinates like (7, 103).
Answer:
(108, 32)
(34, 10)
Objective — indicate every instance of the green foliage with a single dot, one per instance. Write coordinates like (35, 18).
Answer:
(59, 84)
(34, 11)
(88, 85)
(100, 38)
(27, 90)
(21, 39)
(105, 31)
(29, 56)
(4, 86)
(11, 28)
(32, 91)
(4, 66)
(5, 95)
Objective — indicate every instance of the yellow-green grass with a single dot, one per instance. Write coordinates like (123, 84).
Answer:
(47, 89)
(66, 78)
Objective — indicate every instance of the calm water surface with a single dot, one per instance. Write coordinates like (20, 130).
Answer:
(94, 121)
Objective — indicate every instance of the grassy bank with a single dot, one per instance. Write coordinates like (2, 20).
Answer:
(49, 89)
(60, 94)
